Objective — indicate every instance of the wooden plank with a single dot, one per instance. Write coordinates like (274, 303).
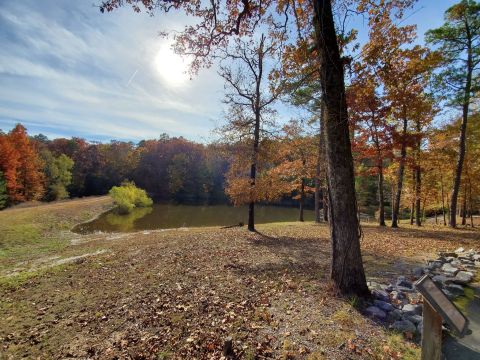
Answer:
(442, 305)
(431, 333)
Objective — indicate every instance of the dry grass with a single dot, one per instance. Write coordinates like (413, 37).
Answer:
(180, 293)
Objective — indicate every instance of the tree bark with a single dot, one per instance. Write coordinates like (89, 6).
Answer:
(256, 133)
(463, 132)
(443, 202)
(418, 184)
(302, 199)
(325, 202)
(470, 202)
(418, 179)
(464, 207)
(347, 270)
(412, 205)
(318, 183)
(381, 200)
(381, 204)
(401, 170)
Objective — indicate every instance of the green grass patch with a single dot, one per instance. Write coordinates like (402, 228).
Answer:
(15, 281)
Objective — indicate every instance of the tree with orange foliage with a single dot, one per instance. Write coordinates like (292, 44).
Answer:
(404, 72)
(295, 163)
(21, 165)
(373, 140)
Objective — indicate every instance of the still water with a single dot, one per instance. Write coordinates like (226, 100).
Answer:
(167, 216)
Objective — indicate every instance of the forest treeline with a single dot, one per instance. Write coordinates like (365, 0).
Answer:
(170, 168)
(36, 168)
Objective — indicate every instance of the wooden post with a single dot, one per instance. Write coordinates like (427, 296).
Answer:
(431, 333)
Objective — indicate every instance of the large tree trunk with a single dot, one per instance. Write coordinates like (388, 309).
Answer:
(256, 133)
(418, 184)
(381, 201)
(418, 178)
(463, 132)
(470, 202)
(302, 200)
(412, 204)
(253, 173)
(347, 270)
(317, 196)
(318, 183)
(325, 202)
(464, 207)
(401, 170)
(443, 202)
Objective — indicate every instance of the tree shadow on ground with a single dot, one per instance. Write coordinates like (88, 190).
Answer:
(311, 258)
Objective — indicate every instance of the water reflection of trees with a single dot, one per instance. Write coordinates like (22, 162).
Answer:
(126, 222)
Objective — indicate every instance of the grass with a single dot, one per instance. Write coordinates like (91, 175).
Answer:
(180, 293)
(30, 233)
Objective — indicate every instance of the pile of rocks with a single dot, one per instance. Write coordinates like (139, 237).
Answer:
(399, 305)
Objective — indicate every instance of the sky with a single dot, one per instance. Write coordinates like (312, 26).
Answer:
(68, 70)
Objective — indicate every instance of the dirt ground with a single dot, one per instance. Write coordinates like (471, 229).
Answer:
(181, 293)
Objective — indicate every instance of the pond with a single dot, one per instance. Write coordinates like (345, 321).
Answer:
(168, 216)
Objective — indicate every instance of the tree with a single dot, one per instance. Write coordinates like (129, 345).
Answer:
(248, 100)
(9, 162)
(21, 166)
(219, 21)
(459, 42)
(3, 192)
(58, 173)
(347, 269)
(374, 135)
(295, 158)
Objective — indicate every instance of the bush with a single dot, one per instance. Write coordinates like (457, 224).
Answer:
(128, 196)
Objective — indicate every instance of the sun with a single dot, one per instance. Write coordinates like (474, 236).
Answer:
(171, 67)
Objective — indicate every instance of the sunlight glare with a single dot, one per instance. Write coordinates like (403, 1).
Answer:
(171, 68)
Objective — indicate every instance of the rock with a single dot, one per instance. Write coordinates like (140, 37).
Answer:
(456, 263)
(450, 259)
(376, 312)
(463, 277)
(459, 250)
(405, 289)
(447, 254)
(404, 326)
(441, 280)
(412, 309)
(390, 288)
(416, 319)
(449, 269)
(418, 272)
(385, 306)
(456, 289)
(398, 295)
(404, 283)
(373, 285)
(477, 263)
(476, 257)
(394, 315)
(435, 264)
(380, 295)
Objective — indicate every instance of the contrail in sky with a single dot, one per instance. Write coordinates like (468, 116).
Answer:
(131, 78)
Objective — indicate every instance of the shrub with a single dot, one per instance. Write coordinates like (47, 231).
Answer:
(128, 196)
